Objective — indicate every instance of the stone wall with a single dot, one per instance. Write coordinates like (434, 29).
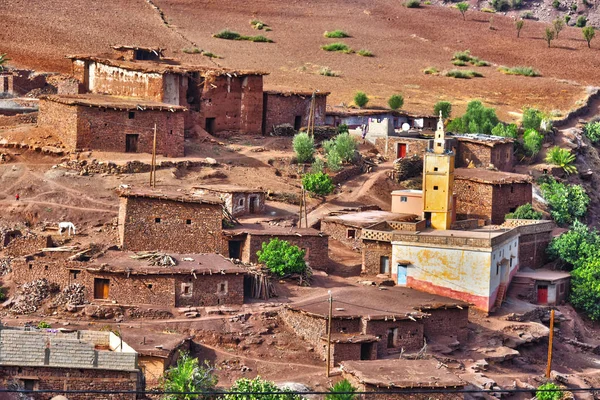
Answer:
(62, 119)
(106, 79)
(29, 244)
(372, 251)
(506, 198)
(409, 335)
(283, 109)
(482, 155)
(209, 290)
(389, 147)
(397, 393)
(341, 233)
(316, 247)
(446, 322)
(238, 203)
(309, 328)
(533, 242)
(186, 228)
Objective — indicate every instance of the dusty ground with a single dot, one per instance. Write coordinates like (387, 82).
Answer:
(404, 41)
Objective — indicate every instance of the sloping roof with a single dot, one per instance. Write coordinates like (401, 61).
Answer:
(112, 102)
(229, 189)
(169, 196)
(491, 177)
(402, 374)
(364, 219)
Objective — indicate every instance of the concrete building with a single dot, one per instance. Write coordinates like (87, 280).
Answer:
(169, 221)
(68, 360)
(408, 202)
(354, 118)
(110, 123)
(484, 151)
(368, 323)
(403, 144)
(397, 376)
(542, 286)
(237, 200)
(293, 108)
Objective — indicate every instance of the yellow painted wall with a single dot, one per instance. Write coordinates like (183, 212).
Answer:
(438, 202)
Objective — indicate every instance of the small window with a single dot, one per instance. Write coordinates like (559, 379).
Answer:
(392, 337)
(512, 188)
(497, 269)
(403, 199)
(435, 188)
(186, 290)
(222, 288)
(149, 285)
(131, 114)
(439, 145)
(171, 132)
(30, 267)
(241, 203)
(188, 221)
(45, 268)
(74, 273)
(351, 234)
(28, 384)
(435, 169)
(157, 220)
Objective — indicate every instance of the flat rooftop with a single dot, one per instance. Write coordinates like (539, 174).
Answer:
(488, 140)
(301, 93)
(349, 112)
(402, 374)
(491, 177)
(124, 262)
(375, 303)
(229, 189)
(364, 219)
(543, 274)
(271, 230)
(112, 102)
(171, 196)
(155, 344)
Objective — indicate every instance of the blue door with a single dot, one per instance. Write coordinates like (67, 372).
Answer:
(402, 274)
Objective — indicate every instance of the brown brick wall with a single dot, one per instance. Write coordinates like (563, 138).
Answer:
(206, 290)
(121, 82)
(372, 251)
(447, 323)
(141, 233)
(473, 200)
(339, 232)
(317, 248)
(311, 329)
(409, 336)
(62, 119)
(532, 249)
(507, 198)
(281, 109)
(500, 155)
(49, 378)
(252, 105)
(413, 146)
(24, 245)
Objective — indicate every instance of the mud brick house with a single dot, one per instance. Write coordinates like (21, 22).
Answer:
(237, 200)
(541, 286)
(403, 375)
(293, 108)
(137, 53)
(176, 222)
(485, 150)
(110, 123)
(69, 360)
(18, 82)
(534, 238)
(489, 195)
(16, 242)
(347, 227)
(244, 242)
(217, 99)
(368, 323)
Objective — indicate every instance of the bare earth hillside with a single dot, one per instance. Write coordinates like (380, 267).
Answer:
(404, 41)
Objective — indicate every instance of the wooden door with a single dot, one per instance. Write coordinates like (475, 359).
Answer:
(401, 150)
(542, 294)
(131, 143)
(253, 206)
(101, 288)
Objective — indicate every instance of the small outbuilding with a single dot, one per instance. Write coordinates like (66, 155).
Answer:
(541, 286)
(292, 108)
(237, 200)
(484, 151)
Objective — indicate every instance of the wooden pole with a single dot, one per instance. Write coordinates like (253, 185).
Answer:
(329, 335)
(153, 168)
(300, 213)
(550, 338)
(305, 209)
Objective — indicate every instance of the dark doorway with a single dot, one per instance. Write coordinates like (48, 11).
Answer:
(131, 143)
(298, 122)
(235, 249)
(253, 206)
(5, 84)
(384, 265)
(210, 125)
(542, 294)
(366, 349)
(401, 150)
(101, 288)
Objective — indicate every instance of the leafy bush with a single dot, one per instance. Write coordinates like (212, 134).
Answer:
(556, 4)
(532, 119)
(510, 130)
(258, 24)
(567, 19)
(193, 50)
(567, 202)
(326, 71)
(337, 34)
(581, 21)
(189, 376)
(548, 391)
(592, 131)
(479, 63)
(549, 35)
(525, 71)
(210, 55)
(396, 101)
(361, 99)
(413, 4)
(43, 325)
(431, 71)
(343, 390)
(563, 158)
(364, 53)
(281, 257)
(334, 161)
(319, 184)
(317, 166)
(345, 146)
(462, 56)
(341, 47)
(463, 7)
(342, 128)
(558, 25)
(258, 385)
(525, 211)
(574, 6)
(527, 15)
(500, 5)
(463, 74)
(532, 142)
(231, 35)
(578, 245)
(477, 119)
(304, 146)
(588, 34)
(445, 107)
(459, 63)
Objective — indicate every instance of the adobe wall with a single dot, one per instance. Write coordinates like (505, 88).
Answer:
(309, 328)
(238, 203)
(372, 251)
(106, 129)
(451, 322)
(252, 104)
(106, 79)
(6, 83)
(141, 232)
(317, 248)
(54, 378)
(135, 289)
(206, 290)
(500, 155)
(349, 351)
(507, 198)
(281, 109)
(532, 249)
(54, 269)
(473, 200)
(339, 232)
(60, 118)
(413, 146)
(397, 393)
(409, 336)
(24, 245)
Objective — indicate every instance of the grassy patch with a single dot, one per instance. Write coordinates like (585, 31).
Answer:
(337, 34)
(194, 50)
(364, 53)
(341, 47)
(463, 74)
(259, 25)
(326, 71)
(459, 63)
(231, 35)
(461, 58)
(413, 4)
(524, 71)
(431, 71)
(488, 10)
(210, 55)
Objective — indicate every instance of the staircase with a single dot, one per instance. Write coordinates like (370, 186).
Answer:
(501, 295)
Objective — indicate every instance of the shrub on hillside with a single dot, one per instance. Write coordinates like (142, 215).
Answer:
(343, 390)
(509, 130)
(413, 3)
(592, 131)
(319, 184)
(477, 119)
(532, 142)
(567, 203)
(548, 391)
(188, 375)
(281, 257)
(361, 99)
(338, 46)
(563, 158)
(525, 211)
(532, 119)
(396, 101)
(364, 53)
(500, 5)
(581, 21)
(463, 74)
(253, 389)
(524, 71)
(337, 34)
(304, 147)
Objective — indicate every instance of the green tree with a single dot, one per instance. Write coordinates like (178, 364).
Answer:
(445, 107)
(581, 21)
(532, 119)
(334, 161)
(578, 245)
(592, 131)
(361, 99)
(548, 391)
(463, 7)
(549, 35)
(281, 257)
(558, 25)
(396, 101)
(189, 376)
(519, 25)
(563, 158)
(532, 142)
(345, 146)
(525, 211)
(509, 130)
(258, 385)
(318, 184)
(304, 146)
(477, 119)
(343, 390)
(588, 34)
(567, 202)
(3, 60)
(585, 292)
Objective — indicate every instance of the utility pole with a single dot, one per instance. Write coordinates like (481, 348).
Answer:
(329, 335)
(153, 166)
(301, 204)
(550, 338)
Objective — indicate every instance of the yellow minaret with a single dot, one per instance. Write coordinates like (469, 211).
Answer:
(438, 181)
